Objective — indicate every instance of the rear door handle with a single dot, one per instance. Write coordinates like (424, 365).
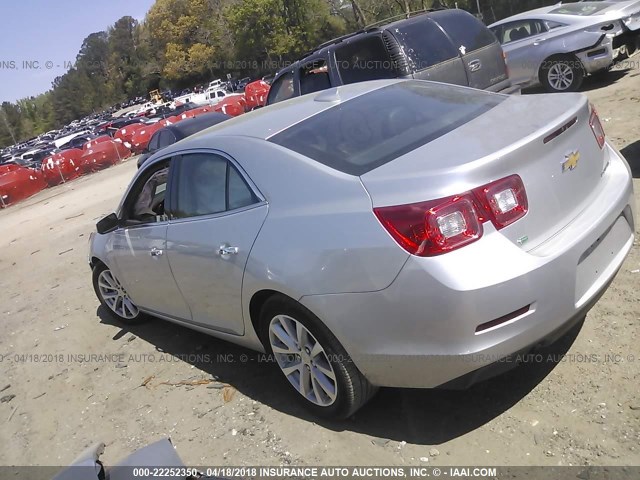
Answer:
(156, 252)
(538, 41)
(226, 250)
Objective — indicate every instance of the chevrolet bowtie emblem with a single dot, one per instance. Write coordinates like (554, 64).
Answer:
(570, 161)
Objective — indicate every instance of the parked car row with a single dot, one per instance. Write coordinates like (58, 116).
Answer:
(554, 46)
(100, 141)
(558, 46)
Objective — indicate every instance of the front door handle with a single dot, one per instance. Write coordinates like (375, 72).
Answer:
(156, 252)
(226, 250)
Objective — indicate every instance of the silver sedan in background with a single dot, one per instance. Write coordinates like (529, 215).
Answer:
(396, 233)
(558, 46)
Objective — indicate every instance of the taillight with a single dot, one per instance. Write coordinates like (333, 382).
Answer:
(596, 127)
(431, 228)
(506, 65)
(505, 200)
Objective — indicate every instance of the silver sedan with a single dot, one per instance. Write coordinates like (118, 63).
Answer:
(558, 46)
(379, 234)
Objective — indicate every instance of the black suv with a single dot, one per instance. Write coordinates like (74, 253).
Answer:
(450, 46)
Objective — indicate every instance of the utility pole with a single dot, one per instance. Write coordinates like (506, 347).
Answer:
(6, 122)
(479, 11)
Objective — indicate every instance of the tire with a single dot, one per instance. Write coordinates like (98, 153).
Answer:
(562, 74)
(121, 307)
(351, 390)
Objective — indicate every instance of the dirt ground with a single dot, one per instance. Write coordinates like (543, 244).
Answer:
(582, 410)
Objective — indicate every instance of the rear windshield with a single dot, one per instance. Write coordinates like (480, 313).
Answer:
(373, 129)
(466, 32)
(582, 9)
(425, 43)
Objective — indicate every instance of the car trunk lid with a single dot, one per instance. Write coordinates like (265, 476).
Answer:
(547, 140)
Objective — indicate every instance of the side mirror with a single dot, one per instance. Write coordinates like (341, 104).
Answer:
(108, 224)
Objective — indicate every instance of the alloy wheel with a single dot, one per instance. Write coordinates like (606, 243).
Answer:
(303, 360)
(115, 296)
(560, 76)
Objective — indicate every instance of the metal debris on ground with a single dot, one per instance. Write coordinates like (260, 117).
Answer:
(204, 381)
(146, 381)
(15, 409)
(227, 393)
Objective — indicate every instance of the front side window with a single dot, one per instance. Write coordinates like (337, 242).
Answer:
(148, 204)
(209, 184)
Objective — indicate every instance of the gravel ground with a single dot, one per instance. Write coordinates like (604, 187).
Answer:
(158, 379)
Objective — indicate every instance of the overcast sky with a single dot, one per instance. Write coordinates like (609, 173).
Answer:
(50, 33)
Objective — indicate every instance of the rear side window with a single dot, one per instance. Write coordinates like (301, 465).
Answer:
(373, 129)
(552, 25)
(209, 184)
(425, 43)
(153, 143)
(364, 59)
(466, 32)
(282, 89)
(519, 30)
(166, 138)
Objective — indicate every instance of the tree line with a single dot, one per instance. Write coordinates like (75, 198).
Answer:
(182, 43)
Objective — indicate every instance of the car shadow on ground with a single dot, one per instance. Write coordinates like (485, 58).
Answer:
(632, 153)
(604, 79)
(424, 417)
(592, 82)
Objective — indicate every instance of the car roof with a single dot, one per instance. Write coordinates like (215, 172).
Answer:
(190, 126)
(374, 28)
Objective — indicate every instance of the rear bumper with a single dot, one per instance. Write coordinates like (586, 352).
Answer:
(423, 330)
(504, 87)
(599, 57)
(514, 359)
(512, 90)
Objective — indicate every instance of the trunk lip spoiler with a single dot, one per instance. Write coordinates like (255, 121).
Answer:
(556, 133)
